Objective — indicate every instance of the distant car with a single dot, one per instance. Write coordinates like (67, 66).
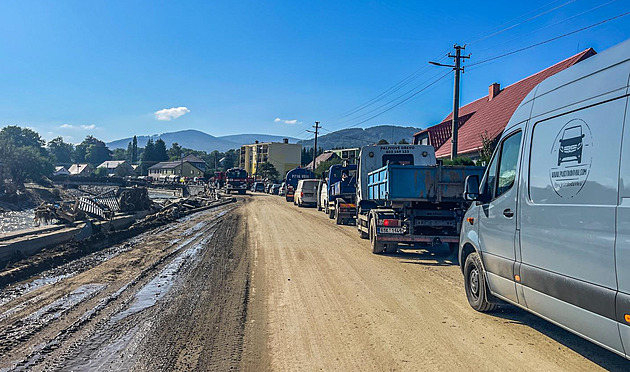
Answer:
(283, 189)
(259, 187)
(306, 193)
(274, 189)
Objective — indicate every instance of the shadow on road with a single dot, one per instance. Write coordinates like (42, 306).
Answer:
(587, 349)
(435, 256)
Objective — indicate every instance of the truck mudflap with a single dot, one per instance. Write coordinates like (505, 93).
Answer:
(417, 238)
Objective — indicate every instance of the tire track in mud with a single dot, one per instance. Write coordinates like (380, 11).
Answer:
(47, 332)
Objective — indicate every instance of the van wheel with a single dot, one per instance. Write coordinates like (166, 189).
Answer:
(377, 247)
(338, 219)
(331, 214)
(475, 284)
(319, 207)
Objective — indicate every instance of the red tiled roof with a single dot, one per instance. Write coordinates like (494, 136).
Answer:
(492, 116)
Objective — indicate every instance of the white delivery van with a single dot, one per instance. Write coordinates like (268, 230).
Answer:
(549, 228)
(306, 193)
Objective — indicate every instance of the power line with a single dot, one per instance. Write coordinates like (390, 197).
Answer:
(525, 21)
(548, 40)
(549, 26)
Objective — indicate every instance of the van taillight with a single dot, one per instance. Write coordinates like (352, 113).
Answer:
(391, 223)
(302, 194)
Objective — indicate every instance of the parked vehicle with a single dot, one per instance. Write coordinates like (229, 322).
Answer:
(283, 189)
(306, 193)
(341, 194)
(292, 178)
(404, 196)
(236, 180)
(549, 227)
(258, 187)
(322, 195)
(275, 188)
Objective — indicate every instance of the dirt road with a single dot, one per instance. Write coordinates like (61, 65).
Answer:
(263, 285)
(323, 301)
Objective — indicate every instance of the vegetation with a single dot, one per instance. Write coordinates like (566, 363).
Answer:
(307, 155)
(268, 171)
(357, 137)
(487, 148)
(382, 142)
(460, 160)
(324, 166)
(23, 156)
(61, 152)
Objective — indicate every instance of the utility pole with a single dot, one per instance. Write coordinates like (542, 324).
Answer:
(457, 67)
(316, 131)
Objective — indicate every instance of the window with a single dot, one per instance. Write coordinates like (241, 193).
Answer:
(508, 162)
(498, 183)
(398, 159)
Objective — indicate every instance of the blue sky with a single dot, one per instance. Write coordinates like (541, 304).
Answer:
(105, 68)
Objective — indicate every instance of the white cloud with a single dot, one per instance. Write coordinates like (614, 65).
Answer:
(66, 126)
(82, 126)
(91, 126)
(171, 113)
(287, 121)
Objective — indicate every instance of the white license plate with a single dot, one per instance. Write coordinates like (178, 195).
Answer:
(390, 230)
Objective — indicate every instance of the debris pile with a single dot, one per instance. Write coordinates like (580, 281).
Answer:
(134, 199)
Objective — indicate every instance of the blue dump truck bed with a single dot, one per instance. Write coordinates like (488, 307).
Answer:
(420, 183)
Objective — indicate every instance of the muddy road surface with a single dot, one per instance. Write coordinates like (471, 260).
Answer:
(323, 301)
(261, 285)
(173, 298)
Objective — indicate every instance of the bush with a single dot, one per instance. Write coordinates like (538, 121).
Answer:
(460, 160)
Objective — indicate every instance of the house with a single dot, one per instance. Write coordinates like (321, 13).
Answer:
(174, 168)
(197, 162)
(283, 155)
(486, 117)
(83, 169)
(119, 168)
(60, 170)
(326, 156)
(351, 155)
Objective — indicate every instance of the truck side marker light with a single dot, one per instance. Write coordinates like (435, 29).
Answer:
(627, 318)
(517, 278)
(470, 220)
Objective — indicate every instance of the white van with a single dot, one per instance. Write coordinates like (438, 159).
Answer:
(549, 229)
(306, 193)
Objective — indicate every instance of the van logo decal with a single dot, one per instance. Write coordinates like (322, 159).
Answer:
(572, 148)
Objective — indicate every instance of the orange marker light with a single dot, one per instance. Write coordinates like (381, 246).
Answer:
(470, 220)
(517, 278)
(627, 317)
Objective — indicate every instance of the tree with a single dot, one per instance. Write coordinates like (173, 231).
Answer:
(22, 137)
(230, 158)
(60, 151)
(23, 163)
(306, 156)
(134, 150)
(159, 151)
(92, 150)
(403, 142)
(100, 172)
(325, 165)
(267, 171)
(148, 154)
(175, 152)
(487, 148)
(121, 154)
(382, 142)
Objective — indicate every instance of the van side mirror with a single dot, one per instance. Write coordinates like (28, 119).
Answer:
(471, 188)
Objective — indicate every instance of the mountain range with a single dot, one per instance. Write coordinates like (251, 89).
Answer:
(198, 140)
(357, 137)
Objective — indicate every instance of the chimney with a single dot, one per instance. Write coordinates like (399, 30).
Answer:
(256, 141)
(285, 140)
(493, 90)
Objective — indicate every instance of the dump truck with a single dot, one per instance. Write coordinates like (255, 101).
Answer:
(405, 196)
(341, 194)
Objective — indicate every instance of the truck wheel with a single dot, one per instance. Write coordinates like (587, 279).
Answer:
(331, 213)
(475, 284)
(338, 219)
(391, 248)
(377, 247)
(363, 234)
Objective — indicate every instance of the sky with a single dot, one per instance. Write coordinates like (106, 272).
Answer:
(113, 69)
